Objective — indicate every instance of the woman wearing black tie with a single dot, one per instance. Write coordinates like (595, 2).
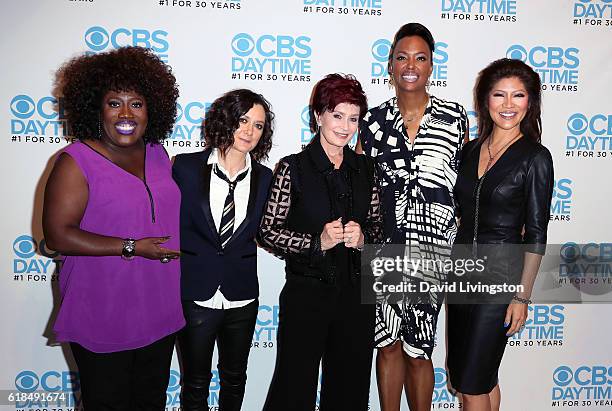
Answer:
(224, 190)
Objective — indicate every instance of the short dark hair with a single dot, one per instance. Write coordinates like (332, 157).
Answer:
(84, 80)
(531, 125)
(336, 89)
(408, 30)
(223, 119)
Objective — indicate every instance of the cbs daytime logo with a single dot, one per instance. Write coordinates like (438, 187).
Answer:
(589, 136)
(582, 386)
(189, 120)
(33, 261)
(61, 388)
(98, 38)
(557, 67)
(441, 395)
(481, 10)
(37, 120)
(266, 327)
(593, 13)
(561, 205)
(271, 57)
(544, 327)
(344, 7)
(305, 133)
(380, 50)
(473, 124)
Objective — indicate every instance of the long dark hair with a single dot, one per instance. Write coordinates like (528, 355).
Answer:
(531, 125)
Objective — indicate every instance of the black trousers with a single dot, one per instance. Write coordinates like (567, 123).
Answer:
(232, 329)
(322, 324)
(125, 380)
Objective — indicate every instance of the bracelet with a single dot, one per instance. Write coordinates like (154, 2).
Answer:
(522, 300)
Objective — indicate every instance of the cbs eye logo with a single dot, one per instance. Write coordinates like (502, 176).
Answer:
(381, 49)
(24, 246)
(577, 124)
(517, 52)
(562, 376)
(306, 116)
(174, 383)
(97, 38)
(23, 106)
(440, 377)
(27, 381)
(243, 44)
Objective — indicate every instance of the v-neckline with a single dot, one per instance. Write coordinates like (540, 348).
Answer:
(144, 163)
(478, 178)
(403, 128)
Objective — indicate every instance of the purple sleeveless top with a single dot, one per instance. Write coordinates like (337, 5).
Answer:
(110, 304)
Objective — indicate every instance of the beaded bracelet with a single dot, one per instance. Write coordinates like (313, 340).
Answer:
(521, 300)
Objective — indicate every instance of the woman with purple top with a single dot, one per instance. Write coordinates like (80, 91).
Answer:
(112, 208)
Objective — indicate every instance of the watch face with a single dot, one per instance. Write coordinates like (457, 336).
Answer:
(129, 247)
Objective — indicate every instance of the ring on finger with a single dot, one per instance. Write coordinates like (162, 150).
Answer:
(165, 259)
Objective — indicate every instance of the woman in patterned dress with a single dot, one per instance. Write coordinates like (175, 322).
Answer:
(415, 139)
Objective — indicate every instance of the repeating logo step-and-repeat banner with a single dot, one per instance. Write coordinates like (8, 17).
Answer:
(281, 49)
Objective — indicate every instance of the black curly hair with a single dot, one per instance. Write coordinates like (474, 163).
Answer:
(223, 116)
(84, 80)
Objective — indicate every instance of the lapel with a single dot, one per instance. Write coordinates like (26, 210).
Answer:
(206, 170)
(253, 192)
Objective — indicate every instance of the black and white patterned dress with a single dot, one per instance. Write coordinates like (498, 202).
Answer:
(416, 182)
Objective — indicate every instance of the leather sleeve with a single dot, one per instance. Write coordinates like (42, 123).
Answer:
(538, 194)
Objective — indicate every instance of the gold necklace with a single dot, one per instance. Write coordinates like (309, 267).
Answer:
(415, 114)
(492, 156)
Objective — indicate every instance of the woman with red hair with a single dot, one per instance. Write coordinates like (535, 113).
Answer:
(323, 207)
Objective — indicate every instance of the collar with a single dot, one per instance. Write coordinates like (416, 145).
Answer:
(322, 162)
(213, 158)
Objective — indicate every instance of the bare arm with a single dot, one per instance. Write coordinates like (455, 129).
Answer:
(66, 196)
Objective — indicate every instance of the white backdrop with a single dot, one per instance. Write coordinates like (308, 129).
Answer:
(281, 48)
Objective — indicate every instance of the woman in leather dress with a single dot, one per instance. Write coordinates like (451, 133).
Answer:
(504, 190)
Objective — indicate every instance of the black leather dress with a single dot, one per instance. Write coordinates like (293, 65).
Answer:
(503, 214)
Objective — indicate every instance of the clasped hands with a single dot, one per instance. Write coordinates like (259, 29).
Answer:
(334, 233)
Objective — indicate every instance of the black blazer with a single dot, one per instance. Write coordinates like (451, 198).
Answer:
(205, 265)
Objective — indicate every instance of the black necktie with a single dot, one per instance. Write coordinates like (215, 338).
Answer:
(226, 227)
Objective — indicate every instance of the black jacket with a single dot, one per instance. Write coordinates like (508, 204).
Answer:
(513, 208)
(300, 204)
(205, 265)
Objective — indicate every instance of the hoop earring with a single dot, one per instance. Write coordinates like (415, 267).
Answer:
(99, 129)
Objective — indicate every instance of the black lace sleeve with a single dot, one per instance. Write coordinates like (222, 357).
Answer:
(273, 232)
(373, 227)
